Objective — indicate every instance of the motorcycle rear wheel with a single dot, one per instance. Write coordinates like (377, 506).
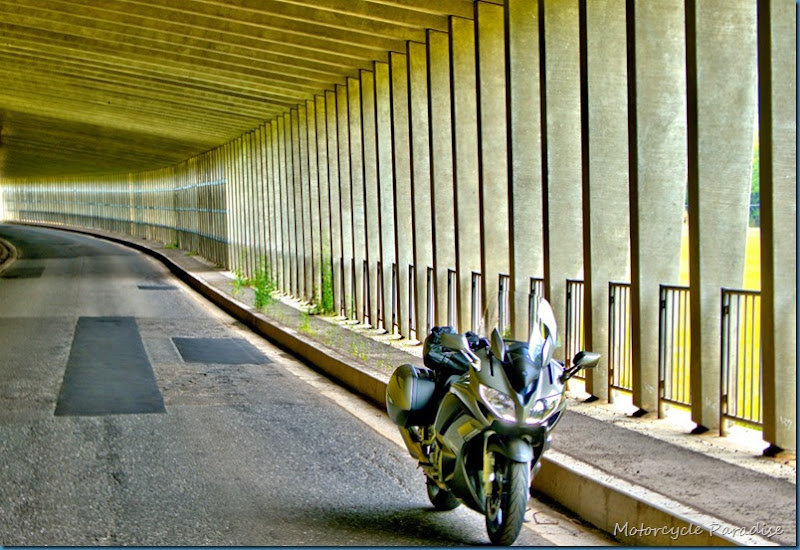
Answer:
(441, 499)
(507, 501)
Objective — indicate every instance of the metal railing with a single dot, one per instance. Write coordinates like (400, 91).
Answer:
(452, 296)
(365, 298)
(741, 387)
(476, 302)
(412, 300)
(381, 320)
(573, 331)
(620, 375)
(536, 289)
(503, 307)
(674, 347)
(430, 298)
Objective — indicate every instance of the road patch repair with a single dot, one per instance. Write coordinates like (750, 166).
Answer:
(223, 351)
(108, 371)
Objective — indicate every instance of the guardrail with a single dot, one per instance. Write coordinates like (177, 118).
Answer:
(452, 296)
(620, 371)
(535, 290)
(503, 306)
(574, 331)
(674, 340)
(475, 319)
(741, 381)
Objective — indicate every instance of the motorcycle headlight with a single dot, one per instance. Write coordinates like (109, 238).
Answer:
(543, 408)
(499, 403)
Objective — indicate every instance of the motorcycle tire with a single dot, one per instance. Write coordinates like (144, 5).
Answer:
(506, 505)
(441, 499)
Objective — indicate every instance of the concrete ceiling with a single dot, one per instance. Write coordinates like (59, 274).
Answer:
(110, 86)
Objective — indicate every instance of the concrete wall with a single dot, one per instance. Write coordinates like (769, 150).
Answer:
(549, 139)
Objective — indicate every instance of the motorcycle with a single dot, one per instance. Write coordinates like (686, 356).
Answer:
(481, 418)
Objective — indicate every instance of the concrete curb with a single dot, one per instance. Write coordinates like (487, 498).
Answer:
(633, 514)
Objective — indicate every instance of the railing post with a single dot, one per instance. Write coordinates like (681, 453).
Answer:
(452, 289)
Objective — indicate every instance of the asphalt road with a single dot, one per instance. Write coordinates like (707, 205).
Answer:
(246, 450)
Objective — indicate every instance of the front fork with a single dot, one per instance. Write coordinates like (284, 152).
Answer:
(516, 450)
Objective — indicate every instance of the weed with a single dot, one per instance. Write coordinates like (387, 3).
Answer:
(264, 285)
(172, 246)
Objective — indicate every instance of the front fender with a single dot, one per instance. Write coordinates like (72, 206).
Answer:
(515, 449)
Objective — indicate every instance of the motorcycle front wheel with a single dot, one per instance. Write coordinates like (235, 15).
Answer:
(507, 501)
(441, 499)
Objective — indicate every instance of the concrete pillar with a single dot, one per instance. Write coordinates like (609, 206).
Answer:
(465, 162)
(335, 201)
(605, 171)
(326, 219)
(561, 146)
(493, 156)
(777, 68)
(346, 200)
(420, 179)
(721, 57)
(524, 157)
(290, 188)
(283, 279)
(657, 144)
(273, 204)
(357, 196)
(404, 238)
(266, 219)
(384, 140)
(305, 192)
(296, 197)
(315, 222)
(442, 190)
(372, 204)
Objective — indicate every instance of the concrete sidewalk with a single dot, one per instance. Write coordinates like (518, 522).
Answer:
(642, 480)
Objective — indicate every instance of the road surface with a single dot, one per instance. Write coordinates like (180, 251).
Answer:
(134, 413)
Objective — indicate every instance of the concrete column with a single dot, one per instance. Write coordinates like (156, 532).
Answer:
(420, 179)
(298, 259)
(291, 204)
(605, 172)
(372, 203)
(721, 57)
(524, 157)
(404, 239)
(284, 279)
(493, 156)
(258, 199)
(442, 190)
(384, 140)
(465, 161)
(657, 144)
(346, 199)
(265, 196)
(777, 47)
(335, 201)
(326, 219)
(561, 147)
(357, 194)
(315, 223)
(273, 204)
(305, 191)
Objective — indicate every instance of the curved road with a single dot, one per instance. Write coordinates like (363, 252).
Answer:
(133, 413)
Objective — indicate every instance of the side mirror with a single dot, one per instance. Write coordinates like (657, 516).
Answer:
(582, 360)
(497, 346)
(455, 342)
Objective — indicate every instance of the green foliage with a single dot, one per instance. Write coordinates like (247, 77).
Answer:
(172, 246)
(327, 288)
(264, 285)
